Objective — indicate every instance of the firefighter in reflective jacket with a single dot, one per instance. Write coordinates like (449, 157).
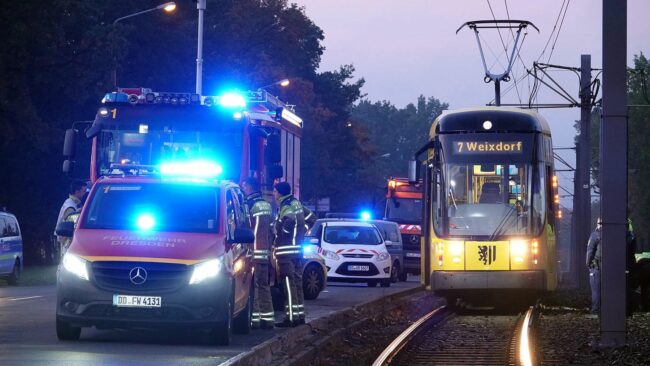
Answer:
(260, 217)
(289, 233)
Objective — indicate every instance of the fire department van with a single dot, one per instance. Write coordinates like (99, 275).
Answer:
(354, 251)
(152, 251)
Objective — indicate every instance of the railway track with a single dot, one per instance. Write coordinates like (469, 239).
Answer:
(451, 337)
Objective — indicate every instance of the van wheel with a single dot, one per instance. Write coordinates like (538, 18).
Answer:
(312, 282)
(242, 322)
(386, 282)
(394, 272)
(14, 277)
(372, 283)
(221, 334)
(66, 332)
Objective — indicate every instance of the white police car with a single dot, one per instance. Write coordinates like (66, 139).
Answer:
(11, 248)
(354, 251)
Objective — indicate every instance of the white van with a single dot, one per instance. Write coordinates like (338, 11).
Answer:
(354, 251)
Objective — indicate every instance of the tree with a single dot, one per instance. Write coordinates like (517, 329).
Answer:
(394, 136)
(56, 65)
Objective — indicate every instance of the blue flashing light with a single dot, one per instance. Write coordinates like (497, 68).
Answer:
(191, 169)
(237, 115)
(232, 100)
(365, 215)
(145, 222)
(307, 249)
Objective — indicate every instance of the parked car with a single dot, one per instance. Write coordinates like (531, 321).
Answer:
(389, 230)
(314, 276)
(11, 248)
(354, 251)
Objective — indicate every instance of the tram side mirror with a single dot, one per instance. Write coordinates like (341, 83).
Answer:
(413, 171)
(273, 149)
(68, 166)
(69, 143)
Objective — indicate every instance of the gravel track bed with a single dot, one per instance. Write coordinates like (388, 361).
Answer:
(362, 345)
(569, 335)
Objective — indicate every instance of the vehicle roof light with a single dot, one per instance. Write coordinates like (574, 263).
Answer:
(232, 100)
(145, 222)
(194, 169)
(365, 215)
(291, 117)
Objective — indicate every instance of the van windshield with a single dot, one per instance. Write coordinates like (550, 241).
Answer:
(154, 207)
(362, 235)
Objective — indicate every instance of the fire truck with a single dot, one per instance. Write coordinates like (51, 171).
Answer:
(249, 134)
(404, 206)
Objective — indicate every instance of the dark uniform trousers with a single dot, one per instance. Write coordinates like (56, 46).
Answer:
(262, 302)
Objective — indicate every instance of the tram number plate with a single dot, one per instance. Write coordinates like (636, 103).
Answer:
(131, 301)
(358, 268)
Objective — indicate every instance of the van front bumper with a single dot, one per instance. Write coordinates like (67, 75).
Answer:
(82, 303)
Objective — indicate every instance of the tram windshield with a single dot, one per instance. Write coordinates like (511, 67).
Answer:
(500, 195)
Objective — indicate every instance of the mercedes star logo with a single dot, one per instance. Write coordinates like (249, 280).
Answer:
(138, 275)
(414, 239)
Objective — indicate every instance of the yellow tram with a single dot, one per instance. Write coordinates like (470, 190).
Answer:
(490, 204)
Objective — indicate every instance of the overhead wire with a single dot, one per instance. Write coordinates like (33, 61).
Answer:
(505, 48)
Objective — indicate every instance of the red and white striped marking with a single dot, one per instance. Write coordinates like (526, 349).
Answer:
(410, 229)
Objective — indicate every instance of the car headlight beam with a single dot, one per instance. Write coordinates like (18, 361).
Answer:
(205, 270)
(383, 256)
(75, 265)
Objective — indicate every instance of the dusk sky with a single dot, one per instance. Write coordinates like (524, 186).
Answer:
(405, 48)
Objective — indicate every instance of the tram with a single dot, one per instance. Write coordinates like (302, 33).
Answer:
(491, 200)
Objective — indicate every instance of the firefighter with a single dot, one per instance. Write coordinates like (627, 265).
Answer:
(70, 205)
(289, 233)
(260, 215)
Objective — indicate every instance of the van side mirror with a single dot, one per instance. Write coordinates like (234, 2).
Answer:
(68, 166)
(65, 229)
(244, 236)
(69, 143)
(273, 152)
(413, 171)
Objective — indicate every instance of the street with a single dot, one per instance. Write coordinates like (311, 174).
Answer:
(28, 336)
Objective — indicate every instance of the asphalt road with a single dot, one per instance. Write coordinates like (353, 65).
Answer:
(28, 335)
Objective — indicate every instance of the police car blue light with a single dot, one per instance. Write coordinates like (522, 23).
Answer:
(232, 100)
(365, 215)
(191, 169)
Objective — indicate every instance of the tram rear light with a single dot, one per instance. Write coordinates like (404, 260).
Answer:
(555, 181)
(557, 198)
(559, 214)
(441, 248)
(535, 250)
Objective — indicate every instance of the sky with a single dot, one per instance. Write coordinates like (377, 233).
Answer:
(407, 48)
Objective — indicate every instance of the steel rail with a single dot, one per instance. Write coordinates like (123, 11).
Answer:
(396, 345)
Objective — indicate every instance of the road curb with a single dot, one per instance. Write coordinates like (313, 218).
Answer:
(282, 344)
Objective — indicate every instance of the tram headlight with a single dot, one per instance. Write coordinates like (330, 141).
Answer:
(518, 250)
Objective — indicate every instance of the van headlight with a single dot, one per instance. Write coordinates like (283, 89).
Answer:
(383, 256)
(328, 254)
(75, 265)
(205, 270)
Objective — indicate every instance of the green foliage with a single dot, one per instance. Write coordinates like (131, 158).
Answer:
(394, 135)
(638, 147)
(56, 64)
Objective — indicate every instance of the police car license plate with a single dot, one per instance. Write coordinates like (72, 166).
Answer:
(132, 301)
(358, 268)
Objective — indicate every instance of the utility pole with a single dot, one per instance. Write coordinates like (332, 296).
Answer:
(200, 6)
(582, 190)
(613, 180)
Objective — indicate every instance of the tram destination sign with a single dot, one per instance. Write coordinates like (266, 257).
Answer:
(488, 147)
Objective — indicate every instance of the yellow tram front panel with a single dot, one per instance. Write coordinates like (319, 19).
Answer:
(487, 256)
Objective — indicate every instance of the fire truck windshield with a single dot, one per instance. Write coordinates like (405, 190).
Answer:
(404, 210)
(157, 146)
(139, 207)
